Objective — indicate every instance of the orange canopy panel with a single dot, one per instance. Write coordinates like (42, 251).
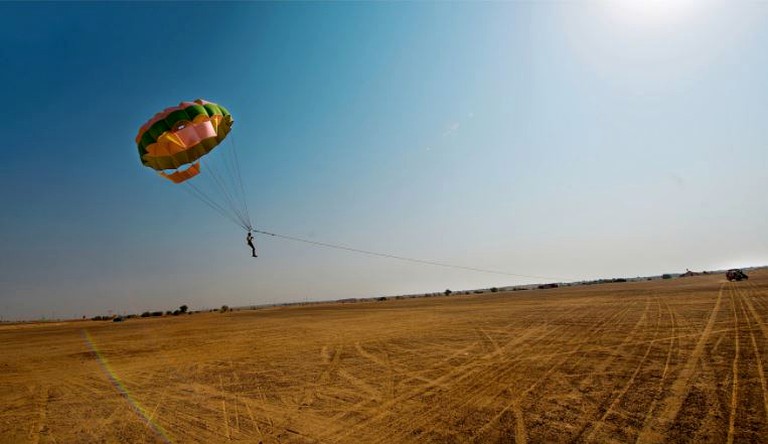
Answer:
(180, 176)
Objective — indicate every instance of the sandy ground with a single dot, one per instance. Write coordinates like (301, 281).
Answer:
(679, 360)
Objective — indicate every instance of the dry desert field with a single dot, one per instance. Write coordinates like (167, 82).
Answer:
(680, 360)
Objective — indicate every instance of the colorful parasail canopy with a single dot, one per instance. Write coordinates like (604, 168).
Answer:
(173, 141)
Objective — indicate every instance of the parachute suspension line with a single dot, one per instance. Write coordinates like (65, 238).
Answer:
(234, 195)
(223, 190)
(225, 206)
(407, 259)
(200, 195)
(240, 180)
(220, 194)
(228, 180)
(221, 181)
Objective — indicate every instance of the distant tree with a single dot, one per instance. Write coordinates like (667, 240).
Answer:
(183, 309)
(447, 292)
(224, 308)
(176, 312)
(146, 314)
(494, 290)
(666, 276)
(157, 313)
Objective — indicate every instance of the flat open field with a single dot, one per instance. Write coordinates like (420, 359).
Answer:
(681, 360)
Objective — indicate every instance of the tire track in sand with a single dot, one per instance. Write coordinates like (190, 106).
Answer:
(734, 369)
(599, 369)
(510, 364)
(224, 410)
(620, 394)
(473, 371)
(514, 405)
(674, 401)
(390, 367)
(665, 372)
(746, 302)
(38, 424)
(331, 359)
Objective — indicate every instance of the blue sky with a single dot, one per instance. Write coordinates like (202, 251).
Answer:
(575, 140)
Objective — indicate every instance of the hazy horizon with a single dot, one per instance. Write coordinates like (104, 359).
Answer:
(581, 140)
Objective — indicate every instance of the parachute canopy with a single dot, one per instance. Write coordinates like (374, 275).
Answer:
(177, 137)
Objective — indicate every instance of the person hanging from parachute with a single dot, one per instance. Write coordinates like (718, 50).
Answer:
(177, 141)
(249, 241)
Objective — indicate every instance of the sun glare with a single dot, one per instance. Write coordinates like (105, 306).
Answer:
(650, 12)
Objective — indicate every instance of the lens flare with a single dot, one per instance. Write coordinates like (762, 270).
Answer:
(114, 378)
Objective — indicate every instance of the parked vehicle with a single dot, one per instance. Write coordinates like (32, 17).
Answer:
(736, 275)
